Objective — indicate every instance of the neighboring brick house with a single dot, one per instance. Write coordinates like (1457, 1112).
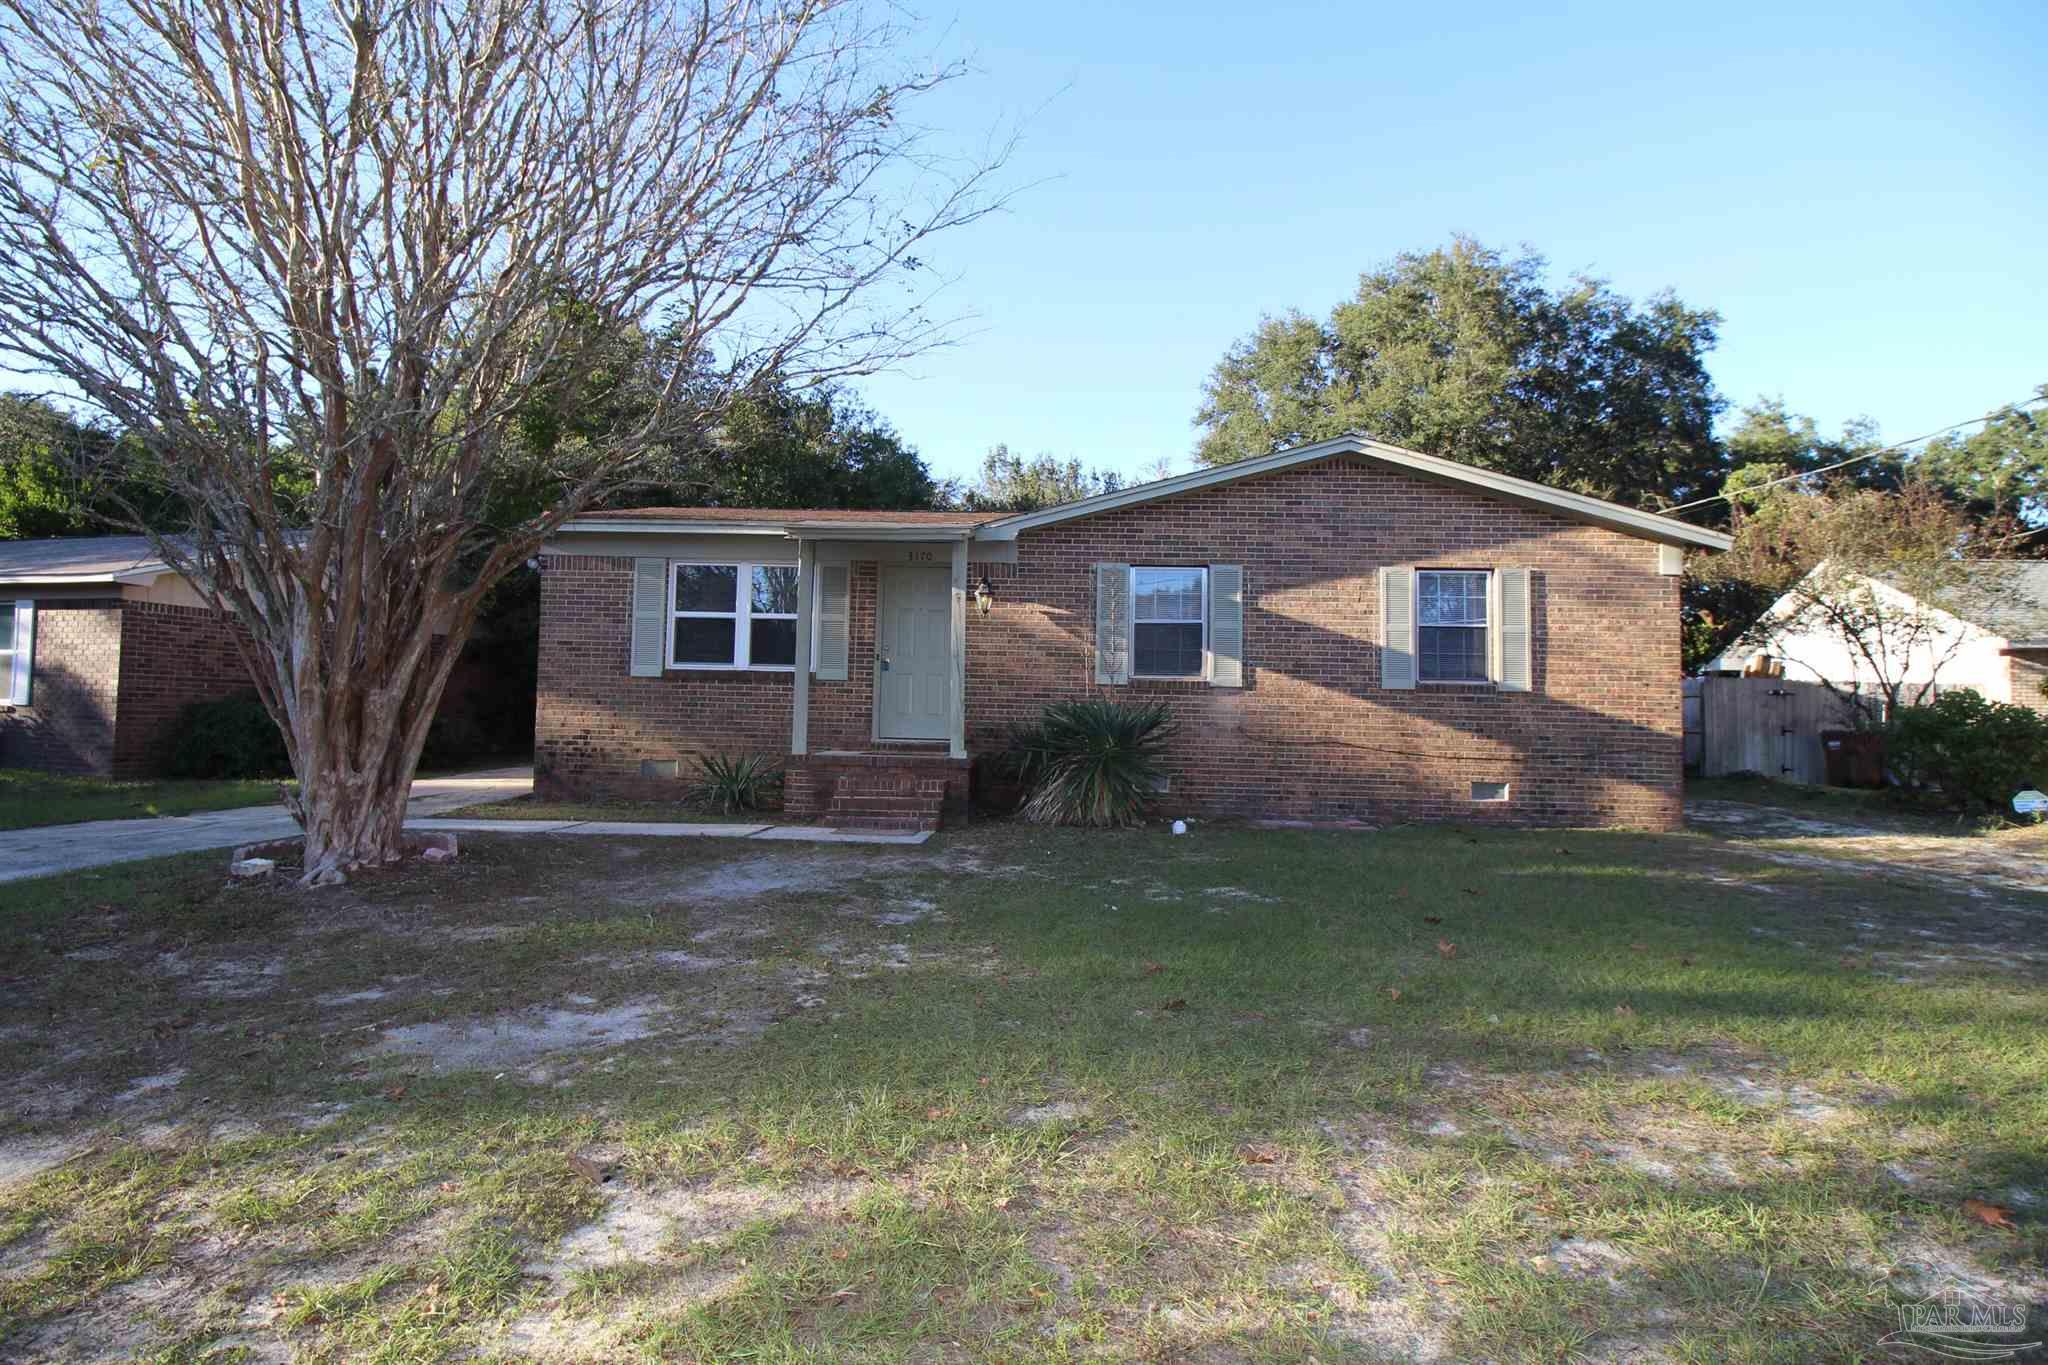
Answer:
(1990, 635)
(101, 646)
(1345, 630)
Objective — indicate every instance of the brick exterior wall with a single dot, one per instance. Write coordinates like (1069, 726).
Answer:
(110, 679)
(594, 725)
(2029, 671)
(171, 656)
(1311, 734)
(68, 725)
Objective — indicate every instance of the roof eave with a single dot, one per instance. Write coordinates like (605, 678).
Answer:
(797, 530)
(828, 530)
(143, 576)
(652, 526)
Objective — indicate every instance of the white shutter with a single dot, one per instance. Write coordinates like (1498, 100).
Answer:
(1397, 629)
(18, 690)
(835, 611)
(650, 618)
(1226, 625)
(1515, 674)
(1112, 623)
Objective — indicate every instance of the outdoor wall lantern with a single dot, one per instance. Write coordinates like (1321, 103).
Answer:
(984, 595)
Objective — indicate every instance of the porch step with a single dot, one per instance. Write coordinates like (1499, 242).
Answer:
(884, 800)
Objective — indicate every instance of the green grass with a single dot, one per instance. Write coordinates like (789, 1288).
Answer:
(1027, 1095)
(29, 800)
(658, 812)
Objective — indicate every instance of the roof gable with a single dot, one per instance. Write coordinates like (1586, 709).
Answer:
(1576, 506)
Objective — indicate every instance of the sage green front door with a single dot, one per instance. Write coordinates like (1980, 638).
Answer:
(914, 654)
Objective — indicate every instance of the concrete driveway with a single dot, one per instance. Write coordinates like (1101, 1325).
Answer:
(66, 848)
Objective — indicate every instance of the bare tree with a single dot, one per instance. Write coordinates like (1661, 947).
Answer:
(322, 260)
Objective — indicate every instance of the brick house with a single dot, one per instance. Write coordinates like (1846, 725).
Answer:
(101, 646)
(1348, 629)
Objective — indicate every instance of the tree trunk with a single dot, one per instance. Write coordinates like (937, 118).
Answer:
(351, 823)
(355, 724)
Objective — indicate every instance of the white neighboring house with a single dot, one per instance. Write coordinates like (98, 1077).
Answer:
(1996, 646)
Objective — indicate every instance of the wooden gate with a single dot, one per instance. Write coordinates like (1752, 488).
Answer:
(1759, 725)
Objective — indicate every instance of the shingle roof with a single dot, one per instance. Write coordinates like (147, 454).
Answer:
(89, 558)
(2012, 600)
(804, 515)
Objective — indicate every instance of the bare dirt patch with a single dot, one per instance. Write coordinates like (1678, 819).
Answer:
(511, 1040)
(664, 1233)
(24, 1158)
(1979, 865)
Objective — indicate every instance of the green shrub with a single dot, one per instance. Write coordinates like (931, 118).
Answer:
(231, 737)
(1091, 762)
(1977, 752)
(732, 783)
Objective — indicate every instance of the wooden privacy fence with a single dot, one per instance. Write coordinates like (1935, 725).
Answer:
(1759, 725)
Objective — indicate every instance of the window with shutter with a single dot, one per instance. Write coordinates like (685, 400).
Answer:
(17, 650)
(1397, 629)
(1112, 624)
(733, 616)
(1226, 625)
(834, 609)
(1516, 632)
(1452, 625)
(1169, 623)
(649, 646)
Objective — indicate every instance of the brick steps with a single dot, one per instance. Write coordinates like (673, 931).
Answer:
(886, 801)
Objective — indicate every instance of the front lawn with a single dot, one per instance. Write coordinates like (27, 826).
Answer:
(1021, 1095)
(28, 800)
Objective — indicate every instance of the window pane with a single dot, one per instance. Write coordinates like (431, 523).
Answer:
(1452, 653)
(704, 640)
(7, 626)
(1451, 599)
(1166, 651)
(774, 590)
(773, 643)
(707, 587)
(1168, 594)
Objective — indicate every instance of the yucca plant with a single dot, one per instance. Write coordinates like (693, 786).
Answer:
(1092, 762)
(730, 783)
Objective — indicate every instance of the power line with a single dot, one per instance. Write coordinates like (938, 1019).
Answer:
(1992, 416)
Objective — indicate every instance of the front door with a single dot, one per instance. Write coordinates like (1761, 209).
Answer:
(914, 654)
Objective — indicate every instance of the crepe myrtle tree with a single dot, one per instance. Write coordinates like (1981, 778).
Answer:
(322, 265)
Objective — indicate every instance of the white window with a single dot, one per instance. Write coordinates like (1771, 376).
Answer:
(1451, 625)
(732, 616)
(1169, 623)
(17, 650)
(7, 651)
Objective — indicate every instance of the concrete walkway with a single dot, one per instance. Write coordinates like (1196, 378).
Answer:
(96, 843)
(795, 834)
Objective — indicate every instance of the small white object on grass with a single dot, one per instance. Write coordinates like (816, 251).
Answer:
(253, 867)
(1180, 827)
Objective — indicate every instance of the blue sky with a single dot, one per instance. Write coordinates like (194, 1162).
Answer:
(1857, 188)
